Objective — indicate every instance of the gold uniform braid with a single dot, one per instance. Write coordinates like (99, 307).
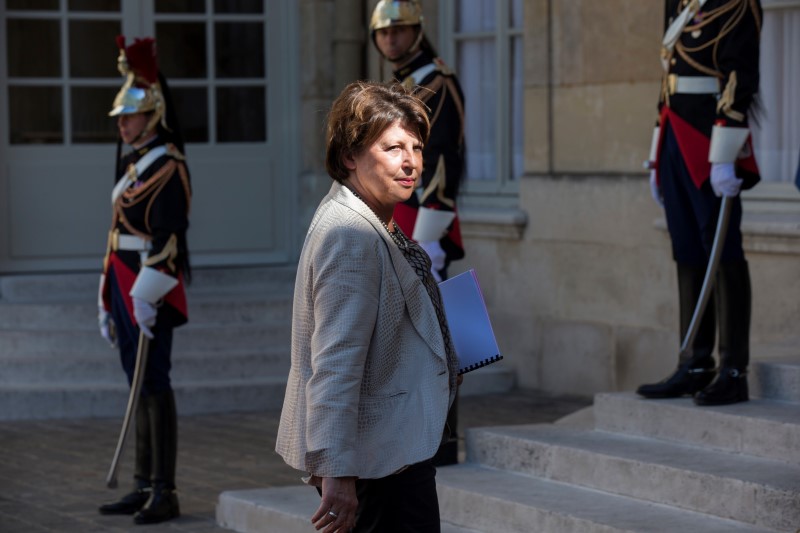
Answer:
(740, 8)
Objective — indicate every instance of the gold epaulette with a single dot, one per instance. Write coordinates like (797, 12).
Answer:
(442, 67)
(174, 153)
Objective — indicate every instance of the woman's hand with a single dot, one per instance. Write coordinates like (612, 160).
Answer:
(337, 511)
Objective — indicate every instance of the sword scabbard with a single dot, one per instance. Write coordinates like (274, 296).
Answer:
(711, 273)
(130, 411)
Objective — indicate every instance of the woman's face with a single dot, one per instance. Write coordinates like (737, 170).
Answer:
(386, 172)
(132, 126)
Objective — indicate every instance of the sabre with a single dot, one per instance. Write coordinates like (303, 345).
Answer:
(711, 271)
(130, 411)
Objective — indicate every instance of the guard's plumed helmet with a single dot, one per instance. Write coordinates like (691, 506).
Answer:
(141, 91)
(397, 13)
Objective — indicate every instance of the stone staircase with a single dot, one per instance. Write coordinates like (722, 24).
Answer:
(637, 466)
(233, 355)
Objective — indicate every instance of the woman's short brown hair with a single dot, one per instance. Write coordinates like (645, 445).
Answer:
(362, 112)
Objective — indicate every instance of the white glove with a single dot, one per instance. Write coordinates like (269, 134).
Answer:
(437, 255)
(655, 190)
(145, 314)
(107, 327)
(724, 180)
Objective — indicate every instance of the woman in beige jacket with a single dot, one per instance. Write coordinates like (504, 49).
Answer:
(373, 368)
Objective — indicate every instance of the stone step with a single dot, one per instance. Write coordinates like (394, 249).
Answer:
(752, 490)
(83, 286)
(762, 428)
(191, 337)
(279, 510)
(223, 308)
(231, 354)
(776, 378)
(186, 366)
(42, 401)
(497, 501)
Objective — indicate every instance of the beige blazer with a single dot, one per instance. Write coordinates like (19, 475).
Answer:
(369, 384)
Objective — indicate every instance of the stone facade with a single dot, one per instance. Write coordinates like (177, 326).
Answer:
(579, 277)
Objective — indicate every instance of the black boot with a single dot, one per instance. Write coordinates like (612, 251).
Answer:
(163, 502)
(162, 506)
(135, 500)
(695, 365)
(687, 379)
(131, 502)
(733, 303)
(729, 387)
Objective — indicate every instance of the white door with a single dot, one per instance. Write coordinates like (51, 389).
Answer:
(229, 65)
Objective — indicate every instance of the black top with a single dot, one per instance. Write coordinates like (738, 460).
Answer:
(721, 41)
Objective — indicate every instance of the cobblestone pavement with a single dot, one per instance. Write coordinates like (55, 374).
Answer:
(52, 473)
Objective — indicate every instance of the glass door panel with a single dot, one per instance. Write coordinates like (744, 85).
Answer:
(182, 50)
(41, 35)
(60, 60)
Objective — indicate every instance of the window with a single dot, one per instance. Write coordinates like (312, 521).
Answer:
(776, 137)
(216, 67)
(60, 90)
(483, 40)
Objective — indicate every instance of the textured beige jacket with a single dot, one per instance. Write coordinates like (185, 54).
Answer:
(369, 384)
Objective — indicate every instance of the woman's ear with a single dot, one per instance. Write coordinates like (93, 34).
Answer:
(349, 161)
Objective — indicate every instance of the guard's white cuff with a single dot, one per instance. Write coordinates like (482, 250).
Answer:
(151, 285)
(431, 224)
(654, 145)
(726, 143)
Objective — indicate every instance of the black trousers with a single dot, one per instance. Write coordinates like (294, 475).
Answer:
(692, 213)
(400, 503)
(159, 359)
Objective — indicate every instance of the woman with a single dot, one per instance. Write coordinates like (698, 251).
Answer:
(373, 369)
(141, 289)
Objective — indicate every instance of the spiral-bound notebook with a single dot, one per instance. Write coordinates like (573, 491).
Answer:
(469, 322)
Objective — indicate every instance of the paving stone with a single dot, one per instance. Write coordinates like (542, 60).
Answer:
(52, 472)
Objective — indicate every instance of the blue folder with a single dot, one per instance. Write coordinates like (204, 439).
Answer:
(468, 320)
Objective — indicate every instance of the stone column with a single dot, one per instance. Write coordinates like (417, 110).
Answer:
(349, 36)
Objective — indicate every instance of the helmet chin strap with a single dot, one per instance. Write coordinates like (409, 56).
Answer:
(410, 53)
(146, 134)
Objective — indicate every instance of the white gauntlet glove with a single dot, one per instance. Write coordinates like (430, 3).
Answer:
(655, 190)
(150, 286)
(724, 180)
(437, 255)
(145, 314)
(107, 327)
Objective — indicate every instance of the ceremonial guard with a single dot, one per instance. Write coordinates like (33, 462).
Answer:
(146, 265)
(702, 151)
(430, 215)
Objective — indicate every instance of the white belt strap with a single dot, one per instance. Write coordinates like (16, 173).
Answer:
(419, 74)
(676, 28)
(131, 242)
(129, 178)
(693, 85)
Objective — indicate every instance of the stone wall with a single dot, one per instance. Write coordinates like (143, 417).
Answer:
(579, 277)
(583, 296)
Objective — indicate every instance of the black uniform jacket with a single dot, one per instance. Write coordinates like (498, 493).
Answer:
(155, 208)
(441, 92)
(721, 41)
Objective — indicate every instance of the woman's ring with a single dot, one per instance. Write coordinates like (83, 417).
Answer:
(332, 514)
